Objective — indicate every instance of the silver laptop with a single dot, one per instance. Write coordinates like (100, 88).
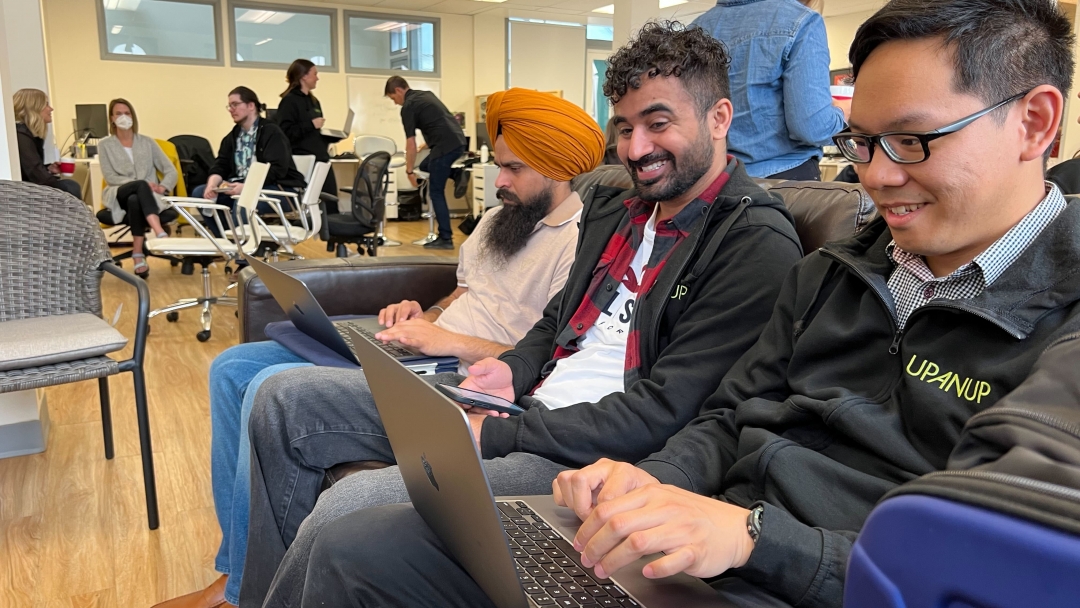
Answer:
(344, 133)
(308, 316)
(515, 548)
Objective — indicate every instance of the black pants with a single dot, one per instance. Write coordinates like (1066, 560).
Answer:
(806, 172)
(330, 187)
(70, 186)
(138, 199)
(388, 556)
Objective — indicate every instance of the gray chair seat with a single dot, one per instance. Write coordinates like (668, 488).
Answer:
(57, 373)
(344, 224)
(40, 341)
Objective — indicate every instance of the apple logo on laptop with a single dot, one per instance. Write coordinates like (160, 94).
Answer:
(430, 473)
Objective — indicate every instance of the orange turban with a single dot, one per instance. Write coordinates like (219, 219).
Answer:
(551, 135)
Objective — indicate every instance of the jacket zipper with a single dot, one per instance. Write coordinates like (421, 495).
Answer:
(678, 275)
(1039, 417)
(1041, 487)
(898, 333)
(981, 315)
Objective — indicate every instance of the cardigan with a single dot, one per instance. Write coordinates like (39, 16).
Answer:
(118, 169)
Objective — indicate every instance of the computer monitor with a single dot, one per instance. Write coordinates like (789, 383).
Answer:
(92, 120)
(482, 136)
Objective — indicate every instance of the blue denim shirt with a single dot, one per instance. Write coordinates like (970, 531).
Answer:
(779, 82)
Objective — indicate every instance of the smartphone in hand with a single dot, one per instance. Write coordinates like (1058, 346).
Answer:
(465, 396)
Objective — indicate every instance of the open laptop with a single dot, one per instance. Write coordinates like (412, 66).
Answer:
(515, 548)
(308, 316)
(342, 134)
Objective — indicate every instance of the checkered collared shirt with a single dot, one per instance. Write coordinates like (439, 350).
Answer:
(912, 284)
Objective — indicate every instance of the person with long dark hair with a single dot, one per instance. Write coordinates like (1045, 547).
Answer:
(130, 164)
(252, 139)
(300, 117)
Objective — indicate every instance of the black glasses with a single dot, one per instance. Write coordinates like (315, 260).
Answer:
(904, 147)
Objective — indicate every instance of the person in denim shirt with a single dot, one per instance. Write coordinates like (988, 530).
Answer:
(779, 85)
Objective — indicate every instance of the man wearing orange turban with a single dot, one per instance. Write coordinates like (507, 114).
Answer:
(551, 135)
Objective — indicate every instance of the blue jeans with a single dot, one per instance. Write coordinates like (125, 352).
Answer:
(235, 377)
(438, 172)
(228, 201)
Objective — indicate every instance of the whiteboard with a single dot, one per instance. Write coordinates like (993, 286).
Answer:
(376, 114)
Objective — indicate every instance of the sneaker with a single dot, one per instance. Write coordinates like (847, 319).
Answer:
(440, 243)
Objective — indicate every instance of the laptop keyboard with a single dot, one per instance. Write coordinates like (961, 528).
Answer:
(393, 349)
(549, 568)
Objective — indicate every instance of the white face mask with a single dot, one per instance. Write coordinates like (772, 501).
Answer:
(123, 121)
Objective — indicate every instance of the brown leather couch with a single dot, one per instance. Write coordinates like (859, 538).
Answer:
(823, 211)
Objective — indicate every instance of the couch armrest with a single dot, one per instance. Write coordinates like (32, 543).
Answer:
(348, 286)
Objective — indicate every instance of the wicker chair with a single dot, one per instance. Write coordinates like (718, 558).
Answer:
(52, 258)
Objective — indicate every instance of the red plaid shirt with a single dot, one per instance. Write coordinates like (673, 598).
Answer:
(616, 259)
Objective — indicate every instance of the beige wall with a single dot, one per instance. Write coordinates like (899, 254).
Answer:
(841, 31)
(173, 99)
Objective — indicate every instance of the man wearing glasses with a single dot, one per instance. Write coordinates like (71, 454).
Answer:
(880, 348)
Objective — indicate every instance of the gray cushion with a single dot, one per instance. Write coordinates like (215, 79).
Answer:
(45, 340)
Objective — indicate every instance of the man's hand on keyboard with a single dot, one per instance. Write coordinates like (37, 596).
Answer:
(422, 335)
(395, 313)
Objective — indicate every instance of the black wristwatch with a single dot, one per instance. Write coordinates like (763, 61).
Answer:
(410, 172)
(753, 522)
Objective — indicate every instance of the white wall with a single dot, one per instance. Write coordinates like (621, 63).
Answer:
(25, 41)
(9, 147)
(173, 99)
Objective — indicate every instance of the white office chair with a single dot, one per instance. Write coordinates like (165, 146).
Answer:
(287, 235)
(363, 145)
(206, 248)
(305, 164)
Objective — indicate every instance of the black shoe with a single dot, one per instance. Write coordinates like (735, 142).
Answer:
(440, 243)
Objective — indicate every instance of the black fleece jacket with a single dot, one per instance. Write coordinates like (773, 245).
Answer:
(294, 115)
(702, 315)
(833, 407)
(31, 152)
(271, 147)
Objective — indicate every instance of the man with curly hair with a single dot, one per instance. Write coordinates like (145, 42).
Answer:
(672, 283)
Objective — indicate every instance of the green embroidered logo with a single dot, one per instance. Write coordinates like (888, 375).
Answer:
(967, 388)
(678, 292)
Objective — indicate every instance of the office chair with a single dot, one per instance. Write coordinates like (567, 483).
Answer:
(206, 249)
(926, 551)
(364, 145)
(361, 225)
(288, 235)
(52, 328)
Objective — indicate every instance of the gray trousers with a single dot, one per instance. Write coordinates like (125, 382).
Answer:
(303, 422)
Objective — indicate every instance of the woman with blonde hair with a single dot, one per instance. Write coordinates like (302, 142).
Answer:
(32, 117)
(130, 164)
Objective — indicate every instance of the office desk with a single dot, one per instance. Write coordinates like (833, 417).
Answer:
(93, 166)
(830, 167)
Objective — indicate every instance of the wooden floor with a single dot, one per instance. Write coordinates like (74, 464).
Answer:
(73, 528)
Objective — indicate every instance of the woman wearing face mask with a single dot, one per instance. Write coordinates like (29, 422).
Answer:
(300, 116)
(130, 164)
(32, 117)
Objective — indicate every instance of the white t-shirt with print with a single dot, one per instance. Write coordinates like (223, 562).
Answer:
(597, 369)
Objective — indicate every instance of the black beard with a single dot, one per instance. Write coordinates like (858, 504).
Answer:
(695, 163)
(512, 226)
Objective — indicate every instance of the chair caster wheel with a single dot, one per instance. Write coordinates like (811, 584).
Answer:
(228, 270)
(203, 336)
(174, 263)
(172, 317)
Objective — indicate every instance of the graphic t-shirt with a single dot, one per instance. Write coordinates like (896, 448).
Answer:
(598, 367)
